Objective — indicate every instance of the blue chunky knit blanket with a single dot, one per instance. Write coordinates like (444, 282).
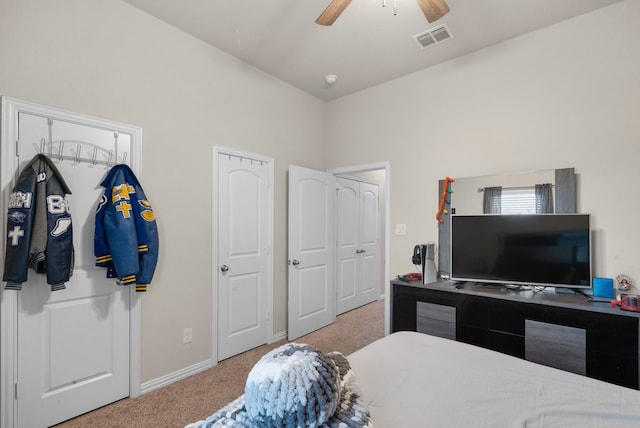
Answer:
(296, 386)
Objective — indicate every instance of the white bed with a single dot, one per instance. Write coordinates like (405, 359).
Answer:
(415, 380)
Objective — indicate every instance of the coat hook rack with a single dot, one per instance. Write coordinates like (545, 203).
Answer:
(78, 151)
(72, 150)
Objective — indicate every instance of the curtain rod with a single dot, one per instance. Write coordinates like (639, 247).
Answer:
(481, 189)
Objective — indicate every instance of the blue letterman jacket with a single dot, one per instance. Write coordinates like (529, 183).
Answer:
(126, 235)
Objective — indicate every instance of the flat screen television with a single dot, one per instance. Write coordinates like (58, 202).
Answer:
(522, 249)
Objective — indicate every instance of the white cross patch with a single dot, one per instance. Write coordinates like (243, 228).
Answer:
(15, 235)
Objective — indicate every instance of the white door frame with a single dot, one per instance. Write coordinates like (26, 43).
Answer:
(9, 299)
(218, 150)
(386, 165)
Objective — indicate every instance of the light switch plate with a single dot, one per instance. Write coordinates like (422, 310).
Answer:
(401, 229)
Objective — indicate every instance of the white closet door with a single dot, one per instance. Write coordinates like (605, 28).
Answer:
(311, 289)
(72, 351)
(369, 242)
(358, 244)
(347, 237)
(243, 254)
(73, 355)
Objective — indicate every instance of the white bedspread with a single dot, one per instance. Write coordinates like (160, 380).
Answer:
(415, 380)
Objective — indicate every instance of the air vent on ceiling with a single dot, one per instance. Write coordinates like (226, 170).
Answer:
(434, 36)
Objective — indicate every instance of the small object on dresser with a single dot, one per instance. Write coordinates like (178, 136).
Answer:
(624, 282)
(603, 287)
(628, 302)
(413, 276)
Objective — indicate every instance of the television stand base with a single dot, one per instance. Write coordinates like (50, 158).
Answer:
(566, 290)
(488, 285)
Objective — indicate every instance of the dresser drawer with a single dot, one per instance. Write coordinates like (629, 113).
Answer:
(436, 320)
(436, 312)
(556, 346)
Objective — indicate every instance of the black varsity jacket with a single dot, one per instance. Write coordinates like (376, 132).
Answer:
(39, 232)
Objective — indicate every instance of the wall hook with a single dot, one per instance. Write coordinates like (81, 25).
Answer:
(77, 155)
(94, 156)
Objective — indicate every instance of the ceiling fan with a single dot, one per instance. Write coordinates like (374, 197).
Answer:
(432, 9)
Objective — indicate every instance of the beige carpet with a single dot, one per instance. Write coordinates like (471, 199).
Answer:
(198, 396)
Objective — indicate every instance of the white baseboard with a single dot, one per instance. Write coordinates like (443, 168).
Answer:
(191, 370)
(175, 376)
(197, 368)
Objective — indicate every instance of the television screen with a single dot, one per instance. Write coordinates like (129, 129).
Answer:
(538, 249)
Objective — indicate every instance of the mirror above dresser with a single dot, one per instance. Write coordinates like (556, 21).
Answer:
(468, 193)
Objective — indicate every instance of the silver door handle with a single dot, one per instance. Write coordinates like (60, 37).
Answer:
(295, 262)
(224, 268)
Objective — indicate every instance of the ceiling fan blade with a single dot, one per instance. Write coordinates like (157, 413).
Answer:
(433, 9)
(332, 12)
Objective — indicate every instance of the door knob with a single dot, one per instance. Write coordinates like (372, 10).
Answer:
(295, 262)
(224, 268)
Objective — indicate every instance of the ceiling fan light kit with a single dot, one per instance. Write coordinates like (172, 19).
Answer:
(432, 9)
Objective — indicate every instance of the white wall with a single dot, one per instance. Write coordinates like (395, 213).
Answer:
(564, 96)
(110, 60)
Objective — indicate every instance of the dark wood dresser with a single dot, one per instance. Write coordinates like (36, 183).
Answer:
(565, 330)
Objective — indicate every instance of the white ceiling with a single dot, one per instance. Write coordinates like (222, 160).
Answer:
(366, 46)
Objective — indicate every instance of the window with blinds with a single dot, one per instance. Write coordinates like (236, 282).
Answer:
(518, 201)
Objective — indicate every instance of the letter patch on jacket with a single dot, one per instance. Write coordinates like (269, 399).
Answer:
(20, 200)
(121, 197)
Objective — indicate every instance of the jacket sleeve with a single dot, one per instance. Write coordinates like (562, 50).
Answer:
(119, 228)
(148, 258)
(59, 251)
(19, 226)
(100, 247)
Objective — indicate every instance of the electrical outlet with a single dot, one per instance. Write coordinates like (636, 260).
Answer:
(187, 335)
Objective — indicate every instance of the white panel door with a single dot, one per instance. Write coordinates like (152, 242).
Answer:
(369, 242)
(72, 345)
(347, 237)
(73, 355)
(358, 244)
(243, 254)
(311, 288)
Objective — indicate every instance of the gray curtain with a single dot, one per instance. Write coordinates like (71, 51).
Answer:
(544, 199)
(492, 203)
